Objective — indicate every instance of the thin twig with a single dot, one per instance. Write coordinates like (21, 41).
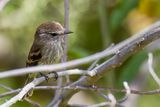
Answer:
(66, 25)
(103, 104)
(103, 95)
(3, 3)
(34, 83)
(103, 18)
(10, 93)
(55, 67)
(6, 87)
(100, 104)
(12, 90)
(64, 58)
(151, 71)
(113, 90)
(113, 100)
(96, 61)
(128, 92)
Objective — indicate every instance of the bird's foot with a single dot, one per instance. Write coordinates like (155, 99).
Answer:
(45, 76)
(55, 75)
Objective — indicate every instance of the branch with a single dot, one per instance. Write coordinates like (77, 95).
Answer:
(66, 25)
(26, 99)
(122, 54)
(77, 62)
(151, 71)
(55, 67)
(89, 88)
(3, 4)
(64, 57)
(34, 83)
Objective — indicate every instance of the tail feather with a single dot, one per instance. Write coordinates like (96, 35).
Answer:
(30, 78)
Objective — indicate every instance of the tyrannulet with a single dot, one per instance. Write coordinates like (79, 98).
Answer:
(47, 47)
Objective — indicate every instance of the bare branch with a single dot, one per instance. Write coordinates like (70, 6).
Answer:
(3, 4)
(34, 83)
(73, 63)
(5, 87)
(11, 91)
(96, 61)
(66, 25)
(90, 88)
(112, 99)
(122, 54)
(100, 104)
(64, 57)
(151, 71)
(55, 67)
(128, 92)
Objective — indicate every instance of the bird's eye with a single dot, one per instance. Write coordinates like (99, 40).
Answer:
(53, 34)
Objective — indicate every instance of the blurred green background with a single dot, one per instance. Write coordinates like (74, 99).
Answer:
(96, 24)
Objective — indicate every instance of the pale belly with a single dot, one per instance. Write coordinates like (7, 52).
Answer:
(53, 54)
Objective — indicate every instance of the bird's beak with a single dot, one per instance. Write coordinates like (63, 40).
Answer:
(67, 32)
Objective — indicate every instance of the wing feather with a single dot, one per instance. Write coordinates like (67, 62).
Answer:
(34, 55)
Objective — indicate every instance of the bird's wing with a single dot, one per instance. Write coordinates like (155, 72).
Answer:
(34, 55)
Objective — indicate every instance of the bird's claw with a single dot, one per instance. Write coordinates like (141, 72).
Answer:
(45, 76)
(55, 75)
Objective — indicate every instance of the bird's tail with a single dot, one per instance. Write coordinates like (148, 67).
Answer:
(27, 80)
(30, 78)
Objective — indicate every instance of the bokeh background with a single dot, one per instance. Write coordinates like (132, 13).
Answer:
(96, 24)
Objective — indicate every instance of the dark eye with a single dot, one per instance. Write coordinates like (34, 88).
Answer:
(53, 34)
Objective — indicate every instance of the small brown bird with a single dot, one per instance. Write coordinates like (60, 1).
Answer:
(48, 46)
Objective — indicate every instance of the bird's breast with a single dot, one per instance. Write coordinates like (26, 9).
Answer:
(52, 52)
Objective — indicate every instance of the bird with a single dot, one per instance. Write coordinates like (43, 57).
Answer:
(47, 47)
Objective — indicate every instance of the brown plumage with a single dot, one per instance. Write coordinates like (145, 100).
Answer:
(47, 47)
(34, 56)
